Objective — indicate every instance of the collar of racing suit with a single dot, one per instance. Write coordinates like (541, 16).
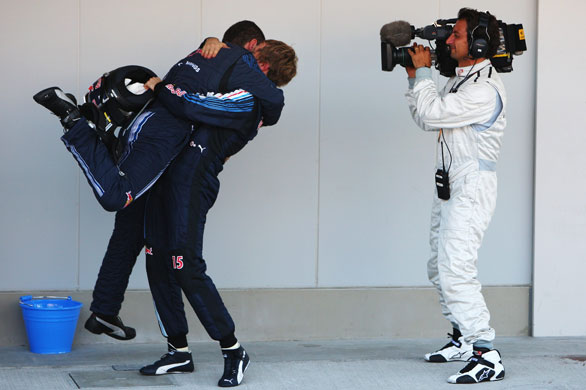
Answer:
(466, 70)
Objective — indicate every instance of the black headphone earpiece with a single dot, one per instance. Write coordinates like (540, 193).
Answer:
(478, 46)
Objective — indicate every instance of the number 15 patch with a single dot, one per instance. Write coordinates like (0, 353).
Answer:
(177, 262)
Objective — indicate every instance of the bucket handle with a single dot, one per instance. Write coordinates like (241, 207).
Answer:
(29, 298)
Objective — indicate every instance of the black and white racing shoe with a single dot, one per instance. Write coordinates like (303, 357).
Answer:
(111, 326)
(61, 104)
(482, 367)
(173, 362)
(455, 350)
(235, 363)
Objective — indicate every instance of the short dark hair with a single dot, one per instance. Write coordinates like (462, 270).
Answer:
(282, 61)
(242, 32)
(472, 18)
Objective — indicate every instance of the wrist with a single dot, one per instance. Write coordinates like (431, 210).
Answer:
(423, 72)
(411, 81)
(157, 87)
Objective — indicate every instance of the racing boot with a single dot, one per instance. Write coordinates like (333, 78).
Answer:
(456, 350)
(109, 325)
(484, 366)
(235, 363)
(61, 104)
(173, 362)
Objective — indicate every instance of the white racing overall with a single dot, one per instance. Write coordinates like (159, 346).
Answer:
(473, 120)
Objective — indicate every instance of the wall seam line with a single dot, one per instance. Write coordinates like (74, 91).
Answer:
(78, 171)
(317, 247)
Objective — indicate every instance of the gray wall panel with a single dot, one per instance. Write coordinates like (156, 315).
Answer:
(374, 179)
(299, 314)
(337, 194)
(560, 193)
(38, 196)
(148, 36)
(376, 166)
(262, 232)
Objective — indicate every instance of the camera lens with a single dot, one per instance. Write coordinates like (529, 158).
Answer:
(392, 56)
(401, 56)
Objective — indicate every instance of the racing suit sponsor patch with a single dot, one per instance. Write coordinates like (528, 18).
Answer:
(128, 198)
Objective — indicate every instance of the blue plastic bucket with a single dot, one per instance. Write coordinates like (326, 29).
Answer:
(50, 322)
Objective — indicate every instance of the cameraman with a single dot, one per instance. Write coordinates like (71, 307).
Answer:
(469, 118)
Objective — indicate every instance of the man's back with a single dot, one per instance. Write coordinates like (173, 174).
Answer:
(195, 83)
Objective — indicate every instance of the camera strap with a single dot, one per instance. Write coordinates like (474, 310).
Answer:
(455, 87)
(442, 178)
(441, 139)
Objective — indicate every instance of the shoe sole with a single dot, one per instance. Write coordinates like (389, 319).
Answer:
(102, 329)
(435, 359)
(165, 373)
(444, 360)
(439, 358)
(42, 96)
(173, 370)
(472, 381)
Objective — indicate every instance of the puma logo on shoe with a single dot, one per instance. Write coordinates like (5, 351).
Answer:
(113, 329)
(235, 363)
(172, 362)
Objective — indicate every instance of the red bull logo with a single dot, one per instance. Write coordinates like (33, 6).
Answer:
(97, 85)
(175, 91)
(128, 198)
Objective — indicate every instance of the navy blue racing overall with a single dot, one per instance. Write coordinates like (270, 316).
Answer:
(150, 144)
(175, 219)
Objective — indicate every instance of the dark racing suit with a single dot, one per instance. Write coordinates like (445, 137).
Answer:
(153, 140)
(175, 220)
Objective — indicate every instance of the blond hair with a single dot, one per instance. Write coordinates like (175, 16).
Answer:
(282, 61)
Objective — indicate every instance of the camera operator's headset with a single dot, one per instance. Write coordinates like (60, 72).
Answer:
(479, 46)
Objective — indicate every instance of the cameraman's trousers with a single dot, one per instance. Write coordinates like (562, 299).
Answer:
(457, 229)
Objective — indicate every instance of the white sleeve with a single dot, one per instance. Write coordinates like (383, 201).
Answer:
(473, 103)
(412, 102)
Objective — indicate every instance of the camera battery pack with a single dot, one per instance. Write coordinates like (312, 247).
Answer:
(442, 183)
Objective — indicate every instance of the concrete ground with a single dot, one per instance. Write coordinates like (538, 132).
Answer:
(530, 363)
